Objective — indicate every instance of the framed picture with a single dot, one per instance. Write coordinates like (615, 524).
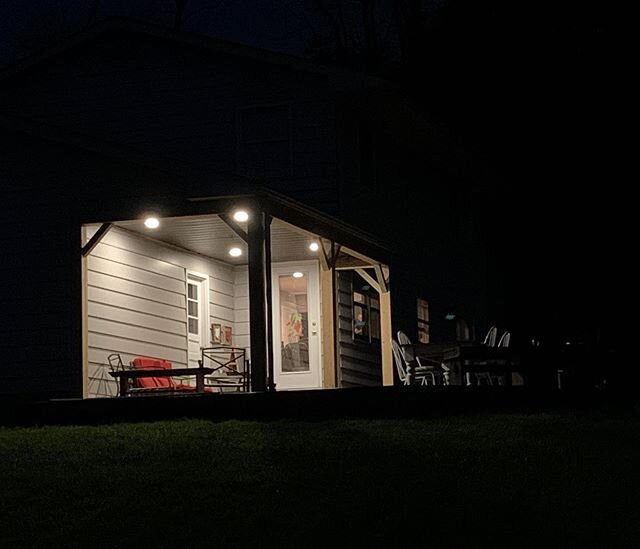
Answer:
(216, 333)
(227, 335)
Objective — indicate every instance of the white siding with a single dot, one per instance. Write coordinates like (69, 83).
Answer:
(137, 305)
(241, 308)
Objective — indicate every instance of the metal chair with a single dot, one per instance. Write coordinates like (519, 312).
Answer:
(427, 366)
(489, 341)
(421, 375)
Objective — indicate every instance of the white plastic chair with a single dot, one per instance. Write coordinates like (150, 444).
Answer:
(425, 366)
(402, 367)
(489, 341)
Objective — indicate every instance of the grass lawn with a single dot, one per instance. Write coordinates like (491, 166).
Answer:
(480, 481)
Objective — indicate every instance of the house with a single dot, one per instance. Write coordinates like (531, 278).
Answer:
(128, 119)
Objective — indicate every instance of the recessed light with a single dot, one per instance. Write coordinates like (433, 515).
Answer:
(152, 223)
(235, 252)
(314, 246)
(241, 216)
(297, 274)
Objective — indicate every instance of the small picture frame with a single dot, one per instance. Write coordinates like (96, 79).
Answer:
(227, 335)
(216, 333)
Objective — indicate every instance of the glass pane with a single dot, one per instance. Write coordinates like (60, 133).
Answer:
(375, 324)
(360, 321)
(359, 298)
(192, 291)
(423, 333)
(193, 326)
(294, 335)
(192, 308)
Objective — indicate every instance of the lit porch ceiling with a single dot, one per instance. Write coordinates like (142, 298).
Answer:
(210, 236)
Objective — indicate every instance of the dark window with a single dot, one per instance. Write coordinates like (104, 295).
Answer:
(264, 141)
(423, 321)
(366, 311)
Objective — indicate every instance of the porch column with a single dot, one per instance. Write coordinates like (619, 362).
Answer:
(386, 337)
(258, 270)
(329, 351)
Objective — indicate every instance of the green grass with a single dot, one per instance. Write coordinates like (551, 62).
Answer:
(457, 482)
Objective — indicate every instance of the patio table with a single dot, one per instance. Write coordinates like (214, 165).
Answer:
(123, 377)
(467, 357)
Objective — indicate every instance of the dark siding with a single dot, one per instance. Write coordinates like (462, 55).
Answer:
(181, 105)
(46, 188)
(360, 363)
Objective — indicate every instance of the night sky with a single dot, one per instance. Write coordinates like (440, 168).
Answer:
(528, 88)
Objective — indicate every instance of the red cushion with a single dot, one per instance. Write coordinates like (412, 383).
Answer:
(147, 363)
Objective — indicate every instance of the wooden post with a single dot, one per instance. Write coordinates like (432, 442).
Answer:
(257, 300)
(327, 284)
(386, 336)
(85, 327)
(271, 384)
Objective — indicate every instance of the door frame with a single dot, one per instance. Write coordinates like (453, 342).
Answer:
(203, 279)
(315, 308)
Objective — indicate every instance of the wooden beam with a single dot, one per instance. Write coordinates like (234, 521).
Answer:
(257, 301)
(95, 239)
(370, 280)
(363, 258)
(234, 226)
(330, 251)
(324, 256)
(329, 349)
(386, 337)
(348, 263)
(383, 280)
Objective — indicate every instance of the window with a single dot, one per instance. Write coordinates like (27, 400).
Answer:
(423, 321)
(193, 307)
(264, 141)
(366, 311)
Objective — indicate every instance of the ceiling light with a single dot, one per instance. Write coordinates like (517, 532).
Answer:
(297, 274)
(314, 246)
(235, 252)
(241, 216)
(152, 223)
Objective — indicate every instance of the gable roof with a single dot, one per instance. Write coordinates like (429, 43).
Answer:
(189, 41)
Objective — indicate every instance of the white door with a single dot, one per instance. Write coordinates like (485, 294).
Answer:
(197, 315)
(296, 325)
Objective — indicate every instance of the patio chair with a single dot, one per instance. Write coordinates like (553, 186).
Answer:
(425, 365)
(489, 341)
(503, 343)
(402, 367)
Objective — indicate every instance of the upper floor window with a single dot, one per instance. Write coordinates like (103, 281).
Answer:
(264, 141)
(423, 321)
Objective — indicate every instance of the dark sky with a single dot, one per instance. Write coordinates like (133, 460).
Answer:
(529, 88)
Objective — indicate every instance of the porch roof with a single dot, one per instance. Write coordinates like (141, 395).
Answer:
(295, 225)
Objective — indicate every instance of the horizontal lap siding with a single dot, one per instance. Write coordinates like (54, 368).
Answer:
(137, 304)
(360, 363)
(241, 308)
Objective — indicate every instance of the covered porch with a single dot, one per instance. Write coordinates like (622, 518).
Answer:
(297, 299)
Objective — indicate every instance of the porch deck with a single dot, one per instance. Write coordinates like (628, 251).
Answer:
(366, 402)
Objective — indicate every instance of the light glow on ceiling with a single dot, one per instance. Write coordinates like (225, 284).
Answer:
(151, 222)
(235, 252)
(241, 216)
